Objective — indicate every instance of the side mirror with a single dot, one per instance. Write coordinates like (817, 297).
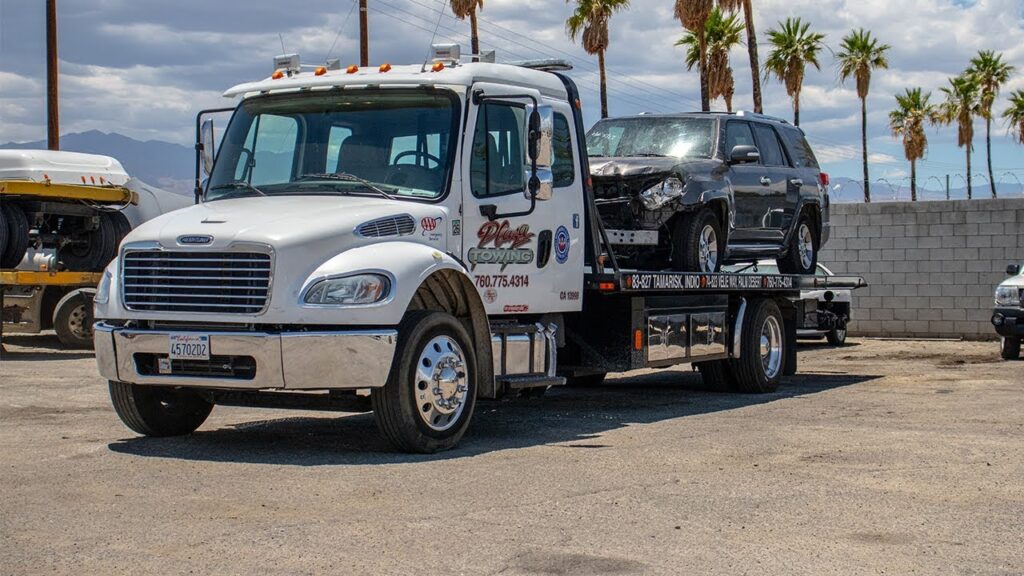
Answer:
(206, 141)
(1013, 269)
(540, 135)
(541, 186)
(744, 155)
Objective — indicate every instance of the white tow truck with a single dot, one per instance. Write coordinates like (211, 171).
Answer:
(408, 239)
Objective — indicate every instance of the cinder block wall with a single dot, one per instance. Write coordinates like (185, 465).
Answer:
(932, 266)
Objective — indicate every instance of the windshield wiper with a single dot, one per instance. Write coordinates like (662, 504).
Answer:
(238, 185)
(648, 155)
(347, 177)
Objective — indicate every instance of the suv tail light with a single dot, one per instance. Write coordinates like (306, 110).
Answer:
(823, 178)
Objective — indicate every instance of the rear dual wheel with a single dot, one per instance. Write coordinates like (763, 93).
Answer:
(14, 237)
(93, 250)
(761, 364)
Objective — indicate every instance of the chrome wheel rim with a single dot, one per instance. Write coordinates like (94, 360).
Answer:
(771, 347)
(77, 323)
(805, 245)
(441, 384)
(707, 249)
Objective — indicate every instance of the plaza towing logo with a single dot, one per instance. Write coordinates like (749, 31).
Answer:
(501, 244)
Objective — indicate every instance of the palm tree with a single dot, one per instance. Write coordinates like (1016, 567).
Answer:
(722, 33)
(1015, 115)
(464, 8)
(907, 121)
(793, 48)
(961, 105)
(858, 56)
(755, 66)
(590, 20)
(990, 72)
(694, 15)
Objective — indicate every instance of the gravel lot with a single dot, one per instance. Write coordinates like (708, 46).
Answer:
(884, 457)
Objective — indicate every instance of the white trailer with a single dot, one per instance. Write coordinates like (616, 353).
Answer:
(424, 236)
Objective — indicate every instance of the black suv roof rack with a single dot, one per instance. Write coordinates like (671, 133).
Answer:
(545, 64)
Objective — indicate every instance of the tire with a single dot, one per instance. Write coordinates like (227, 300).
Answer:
(697, 242)
(801, 255)
(17, 236)
(1009, 348)
(587, 381)
(159, 411)
(73, 320)
(415, 417)
(754, 372)
(3, 229)
(836, 336)
(717, 375)
(98, 248)
(121, 229)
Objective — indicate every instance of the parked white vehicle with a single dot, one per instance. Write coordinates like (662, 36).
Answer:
(1008, 315)
(423, 235)
(822, 312)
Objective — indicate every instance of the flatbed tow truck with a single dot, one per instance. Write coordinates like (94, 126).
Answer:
(57, 199)
(409, 239)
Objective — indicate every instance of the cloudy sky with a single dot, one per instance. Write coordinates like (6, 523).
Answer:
(144, 67)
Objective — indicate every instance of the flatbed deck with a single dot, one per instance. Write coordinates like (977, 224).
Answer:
(661, 282)
(87, 191)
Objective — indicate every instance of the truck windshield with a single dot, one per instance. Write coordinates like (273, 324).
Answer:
(651, 136)
(392, 143)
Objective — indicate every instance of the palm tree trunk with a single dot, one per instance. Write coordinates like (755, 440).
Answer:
(970, 189)
(988, 148)
(864, 147)
(474, 35)
(755, 67)
(796, 108)
(604, 86)
(913, 180)
(705, 101)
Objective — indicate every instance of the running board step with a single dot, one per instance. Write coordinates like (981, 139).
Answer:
(521, 382)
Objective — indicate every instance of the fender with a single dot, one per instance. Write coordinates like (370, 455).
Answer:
(802, 204)
(407, 264)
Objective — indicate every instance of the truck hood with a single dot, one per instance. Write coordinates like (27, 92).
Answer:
(280, 221)
(1014, 282)
(629, 176)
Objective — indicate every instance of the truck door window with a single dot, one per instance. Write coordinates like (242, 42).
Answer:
(737, 134)
(768, 144)
(271, 148)
(335, 138)
(562, 168)
(496, 165)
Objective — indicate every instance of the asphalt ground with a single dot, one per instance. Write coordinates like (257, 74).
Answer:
(883, 457)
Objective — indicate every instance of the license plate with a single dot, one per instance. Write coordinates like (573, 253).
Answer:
(189, 347)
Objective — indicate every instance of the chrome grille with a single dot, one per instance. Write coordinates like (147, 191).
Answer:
(213, 282)
(390, 226)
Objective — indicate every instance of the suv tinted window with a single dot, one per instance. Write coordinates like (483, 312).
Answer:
(738, 134)
(799, 150)
(768, 144)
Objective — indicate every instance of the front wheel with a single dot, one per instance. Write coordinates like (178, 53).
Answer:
(697, 243)
(801, 256)
(429, 397)
(1009, 348)
(159, 410)
(836, 336)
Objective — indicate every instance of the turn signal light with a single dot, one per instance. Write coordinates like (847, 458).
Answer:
(385, 67)
(320, 70)
(277, 75)
(352, 69)
(437, 67)
(638, 340)
(823, 178)
(606, 286)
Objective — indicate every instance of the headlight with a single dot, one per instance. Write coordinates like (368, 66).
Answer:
(660, 194)
(1007, 296)
(103, 290)
(347, 290)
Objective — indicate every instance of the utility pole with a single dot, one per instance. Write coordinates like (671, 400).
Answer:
(364, 41)
(52, 101)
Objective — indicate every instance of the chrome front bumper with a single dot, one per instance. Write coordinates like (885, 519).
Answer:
(287, 360)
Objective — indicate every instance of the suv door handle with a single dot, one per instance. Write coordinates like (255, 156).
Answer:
(796, 182)
(766, 181)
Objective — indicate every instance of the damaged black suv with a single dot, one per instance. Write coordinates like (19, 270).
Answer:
(691, 191)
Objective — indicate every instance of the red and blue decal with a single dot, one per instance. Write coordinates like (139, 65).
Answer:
(562, 244)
